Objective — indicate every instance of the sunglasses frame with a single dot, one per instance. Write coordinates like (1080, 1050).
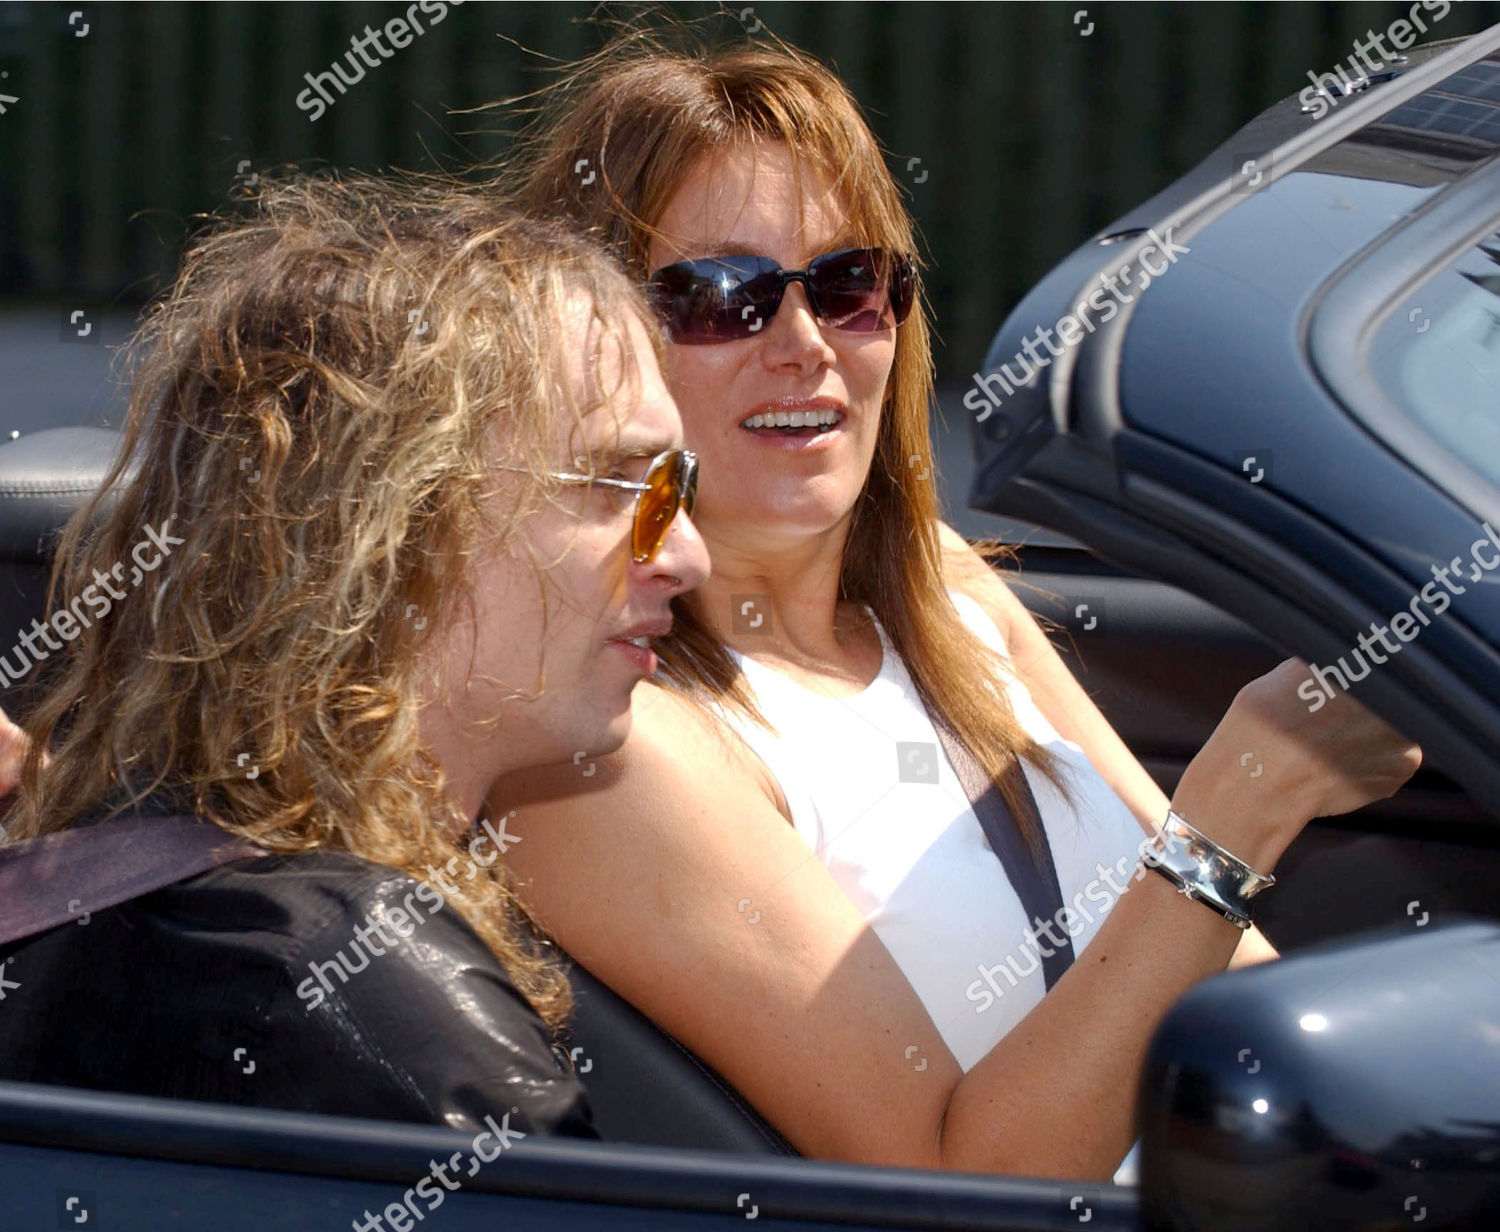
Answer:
(900, 291)
(687, 493)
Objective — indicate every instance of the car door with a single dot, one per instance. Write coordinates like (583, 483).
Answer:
(87, 1159)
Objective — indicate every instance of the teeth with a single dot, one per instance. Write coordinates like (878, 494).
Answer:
(643, 642)
(821, 420)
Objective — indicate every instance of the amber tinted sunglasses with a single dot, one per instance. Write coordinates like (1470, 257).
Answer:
(671, 483)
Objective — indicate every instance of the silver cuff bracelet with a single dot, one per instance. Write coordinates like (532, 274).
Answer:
(1201, 869)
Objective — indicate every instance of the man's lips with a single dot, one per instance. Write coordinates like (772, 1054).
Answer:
(642, 633)
(635, 642)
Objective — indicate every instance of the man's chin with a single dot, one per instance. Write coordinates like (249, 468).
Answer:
(616, 731)
(606, 736)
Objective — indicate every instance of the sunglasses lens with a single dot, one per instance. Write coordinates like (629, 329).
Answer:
(720, 299)
(854, 290)
(716, 299)
(903, 286)
(657, 508)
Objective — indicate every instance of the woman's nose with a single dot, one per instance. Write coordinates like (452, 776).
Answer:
(794, 334)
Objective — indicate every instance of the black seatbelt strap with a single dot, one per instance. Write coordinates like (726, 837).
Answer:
(1032, 875)
(57, 878)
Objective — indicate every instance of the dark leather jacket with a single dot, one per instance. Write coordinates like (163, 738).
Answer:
(248, 985)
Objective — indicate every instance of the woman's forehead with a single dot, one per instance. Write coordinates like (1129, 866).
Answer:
(747, 197)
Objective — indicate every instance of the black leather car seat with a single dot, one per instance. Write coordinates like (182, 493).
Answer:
(643, 1085)
(646, 1087)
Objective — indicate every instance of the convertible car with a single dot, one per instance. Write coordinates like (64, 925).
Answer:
(1270, 427)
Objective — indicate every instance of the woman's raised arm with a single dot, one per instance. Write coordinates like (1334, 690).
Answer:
(673, 877)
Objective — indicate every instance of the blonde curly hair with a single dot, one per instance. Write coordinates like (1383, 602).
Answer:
(311, 411)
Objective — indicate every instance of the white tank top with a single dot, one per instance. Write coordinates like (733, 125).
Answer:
(909, 852)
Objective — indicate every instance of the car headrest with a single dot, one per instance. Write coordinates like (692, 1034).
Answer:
(44, 478)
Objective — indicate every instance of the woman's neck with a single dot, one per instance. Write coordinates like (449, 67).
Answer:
(779, 600)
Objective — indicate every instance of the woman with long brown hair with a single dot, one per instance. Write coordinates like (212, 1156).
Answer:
(861, 764)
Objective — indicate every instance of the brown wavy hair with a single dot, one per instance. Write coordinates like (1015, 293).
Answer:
(638, 114)
(312, 412)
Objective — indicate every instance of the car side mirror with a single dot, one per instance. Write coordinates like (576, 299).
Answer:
(1349, 1088)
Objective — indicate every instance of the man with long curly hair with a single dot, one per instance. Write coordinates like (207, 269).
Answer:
(387, 436)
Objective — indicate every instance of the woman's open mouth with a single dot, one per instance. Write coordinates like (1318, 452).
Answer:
(793, 423)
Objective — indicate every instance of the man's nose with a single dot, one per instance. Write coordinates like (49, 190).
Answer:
(683, 558)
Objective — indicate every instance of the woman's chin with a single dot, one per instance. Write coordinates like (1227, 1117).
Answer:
(777, 512)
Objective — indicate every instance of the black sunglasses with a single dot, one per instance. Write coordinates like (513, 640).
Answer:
(720, 299)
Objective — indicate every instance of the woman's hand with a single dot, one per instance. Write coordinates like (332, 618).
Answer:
(1272, 765)
(14, 745)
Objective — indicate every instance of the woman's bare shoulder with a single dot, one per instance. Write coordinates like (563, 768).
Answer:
(657, 834)
(677, 757)
(968, 573)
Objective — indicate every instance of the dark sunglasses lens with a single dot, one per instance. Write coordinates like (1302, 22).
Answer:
(903, 287)
(657, 508)
(853, 290)
(716, 299)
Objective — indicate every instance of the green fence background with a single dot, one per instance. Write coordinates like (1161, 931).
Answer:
(1031, 133)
